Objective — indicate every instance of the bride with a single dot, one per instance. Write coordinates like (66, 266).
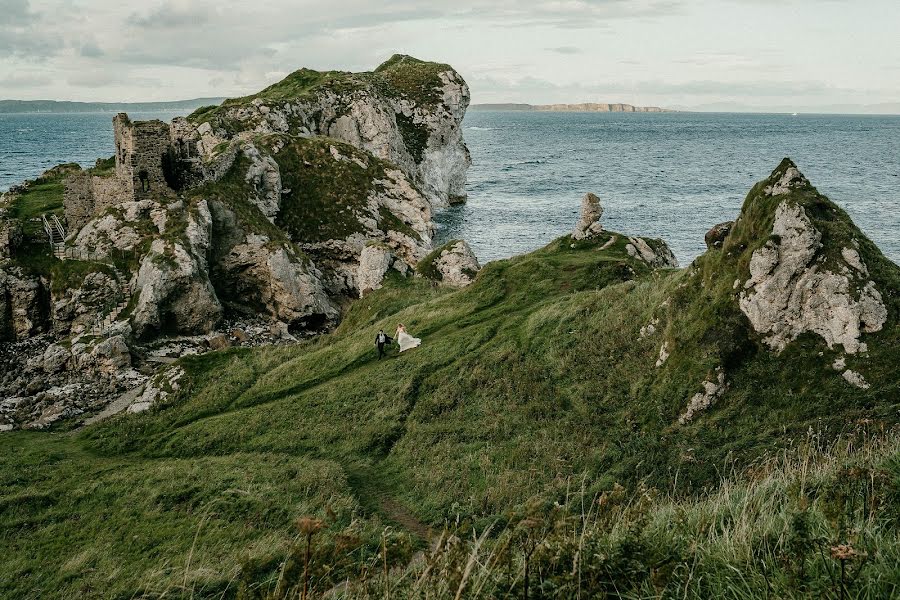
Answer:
(404, 340)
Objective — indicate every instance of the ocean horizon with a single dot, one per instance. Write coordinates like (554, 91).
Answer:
(666, 175)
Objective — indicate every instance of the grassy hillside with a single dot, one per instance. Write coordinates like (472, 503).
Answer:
(532, 384)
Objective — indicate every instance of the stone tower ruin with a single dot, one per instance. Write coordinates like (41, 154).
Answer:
(141, 148)
(146, 167)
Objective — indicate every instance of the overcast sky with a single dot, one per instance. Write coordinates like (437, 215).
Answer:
(645, 52)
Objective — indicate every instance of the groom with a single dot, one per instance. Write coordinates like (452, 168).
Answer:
(381, 340)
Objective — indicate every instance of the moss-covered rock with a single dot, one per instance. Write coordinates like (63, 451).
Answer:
(407, 111)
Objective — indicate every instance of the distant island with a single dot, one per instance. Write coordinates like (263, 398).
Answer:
(55, 106)
(583, 107)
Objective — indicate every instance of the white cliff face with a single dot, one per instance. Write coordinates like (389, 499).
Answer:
(790, 293)
(657, 256)
(374, 262)
(264, 178)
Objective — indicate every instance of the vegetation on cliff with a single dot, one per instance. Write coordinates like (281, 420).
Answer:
(538, 417)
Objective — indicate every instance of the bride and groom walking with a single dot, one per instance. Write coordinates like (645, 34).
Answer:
(404, 340)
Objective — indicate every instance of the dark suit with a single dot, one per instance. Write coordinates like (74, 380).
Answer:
(382, 340)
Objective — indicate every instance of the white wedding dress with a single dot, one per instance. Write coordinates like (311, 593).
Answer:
(406, 341)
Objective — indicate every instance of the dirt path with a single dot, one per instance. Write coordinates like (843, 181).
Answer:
(115, 407)
(376, 497)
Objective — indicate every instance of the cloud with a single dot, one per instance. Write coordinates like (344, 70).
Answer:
(565, 50)
(21, 34)
(24, 81)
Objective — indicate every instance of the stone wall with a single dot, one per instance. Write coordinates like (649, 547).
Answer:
(10, 235)
(109, 191)
(78, 200)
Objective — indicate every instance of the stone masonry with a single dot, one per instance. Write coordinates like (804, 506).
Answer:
(141, 148)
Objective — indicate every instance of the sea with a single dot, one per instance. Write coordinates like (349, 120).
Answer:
(668, 175)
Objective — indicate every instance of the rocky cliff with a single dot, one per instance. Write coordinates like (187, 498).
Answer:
(406, 111)
(258, 213)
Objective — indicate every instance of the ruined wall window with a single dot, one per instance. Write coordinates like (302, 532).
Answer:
(144, 177)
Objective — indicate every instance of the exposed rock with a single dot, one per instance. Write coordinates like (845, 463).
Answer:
(374, 262)
(111, 355)
(158, 389)
(264, 178)
(23, 300)
(663, 354)
(791, 179)
(713, 390)
(174, 293)
(656, 256)
(788, 293)
(456, 264)
(589, 223)
(276, 281)
(856, 380)
(420, 132)
(55, 358)
(715, 237)
(219, 342)
(73, 310)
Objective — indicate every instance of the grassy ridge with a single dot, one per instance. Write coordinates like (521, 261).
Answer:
(532, 380)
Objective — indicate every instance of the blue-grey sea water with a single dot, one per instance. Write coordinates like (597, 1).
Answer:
(671, 175)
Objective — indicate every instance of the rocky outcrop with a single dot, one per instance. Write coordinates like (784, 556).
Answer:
(73, 310)
(407, 112)
(589, 222)
(174, 293)
(453, 264)
(713, 389)
(790, 291)
(374, 262)
(715, 237)
(655, 253)
(23, 304)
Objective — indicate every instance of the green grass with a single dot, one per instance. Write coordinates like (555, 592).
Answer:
(533, 386)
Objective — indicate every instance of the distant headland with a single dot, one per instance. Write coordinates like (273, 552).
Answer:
(57, 106)
(582, 107)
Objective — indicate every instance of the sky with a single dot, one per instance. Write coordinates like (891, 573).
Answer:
(674, 53)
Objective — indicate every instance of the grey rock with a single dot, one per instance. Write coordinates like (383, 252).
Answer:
(788, 293)
(457, 265)
(589, 222)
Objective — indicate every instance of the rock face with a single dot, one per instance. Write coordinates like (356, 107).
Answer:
(789, 292)
(23, 304)
(407, 112)
(374, 262)
(174, 293)
(589, 223)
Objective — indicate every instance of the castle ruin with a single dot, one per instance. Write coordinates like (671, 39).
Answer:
(147, 165)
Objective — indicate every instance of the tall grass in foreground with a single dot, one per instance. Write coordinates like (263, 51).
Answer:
(815, 521)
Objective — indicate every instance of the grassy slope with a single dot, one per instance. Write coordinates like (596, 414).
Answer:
(534, 375)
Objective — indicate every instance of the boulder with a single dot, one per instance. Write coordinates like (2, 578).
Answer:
(715, 237)
(589, 223)
(655, 253)
(111, 355)
(456, 264)
(174, 293)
